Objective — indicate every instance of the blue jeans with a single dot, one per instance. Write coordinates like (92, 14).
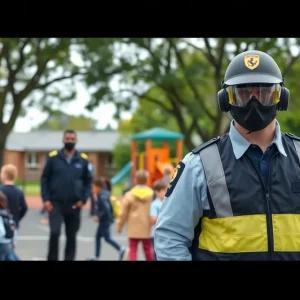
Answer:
(13, 256)
(103, 231)
(5, 251)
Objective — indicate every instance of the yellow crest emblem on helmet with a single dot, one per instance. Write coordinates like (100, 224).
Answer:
(251, 61)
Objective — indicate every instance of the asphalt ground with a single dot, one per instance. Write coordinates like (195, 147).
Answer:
(32, 242)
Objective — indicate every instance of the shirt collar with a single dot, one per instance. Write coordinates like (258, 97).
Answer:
(240, 144)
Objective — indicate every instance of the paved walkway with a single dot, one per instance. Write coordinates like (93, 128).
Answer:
(32, 242)
(33, 237)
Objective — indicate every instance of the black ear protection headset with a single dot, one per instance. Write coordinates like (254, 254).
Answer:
(224, 106)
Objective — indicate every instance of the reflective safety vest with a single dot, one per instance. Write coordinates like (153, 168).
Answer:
(246, 220)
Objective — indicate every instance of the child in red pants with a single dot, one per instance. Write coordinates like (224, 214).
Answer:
(147, 247)
(135, 211)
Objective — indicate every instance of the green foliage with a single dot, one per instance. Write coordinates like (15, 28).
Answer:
(121, 154)
(290, 121)
(181, 77)
(30, 69)
(122, 150)
(167, 82)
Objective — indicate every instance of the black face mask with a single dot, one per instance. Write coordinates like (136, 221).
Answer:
(69, 146)
(254, 116)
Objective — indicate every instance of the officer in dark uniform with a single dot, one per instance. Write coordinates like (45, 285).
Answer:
(237, 196)
(65, 187)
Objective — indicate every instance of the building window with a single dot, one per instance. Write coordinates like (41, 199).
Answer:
(109, 161)
(32, 160)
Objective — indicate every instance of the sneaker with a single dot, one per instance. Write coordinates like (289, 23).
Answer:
(123, 251)
(92, 258)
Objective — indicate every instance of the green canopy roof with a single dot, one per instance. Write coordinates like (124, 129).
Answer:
(157, 134)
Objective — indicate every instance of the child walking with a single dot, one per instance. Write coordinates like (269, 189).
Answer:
(16, 202)
(104, 216)
(135, 210)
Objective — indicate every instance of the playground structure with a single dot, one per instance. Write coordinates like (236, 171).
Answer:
(152, 159)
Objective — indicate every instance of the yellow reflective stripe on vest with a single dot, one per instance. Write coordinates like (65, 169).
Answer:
(216, 182)
(249, 233)
(234, 234)
(286, 232)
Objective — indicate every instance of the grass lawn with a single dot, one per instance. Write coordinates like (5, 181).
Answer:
(33, 189)
(30, 188)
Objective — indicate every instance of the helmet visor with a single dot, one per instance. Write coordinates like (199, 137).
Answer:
(267, 94)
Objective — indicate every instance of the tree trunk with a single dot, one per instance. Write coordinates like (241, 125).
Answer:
(3, 139)
(188, 143)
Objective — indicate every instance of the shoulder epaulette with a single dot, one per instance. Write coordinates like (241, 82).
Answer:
(83, 155)
(52, 153)
(206, 144)
(292, 136)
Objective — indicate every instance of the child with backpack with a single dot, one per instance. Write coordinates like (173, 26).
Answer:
(7, 229)
(104, 216)
(114, 202)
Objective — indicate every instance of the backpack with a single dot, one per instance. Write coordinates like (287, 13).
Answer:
(9, 224)
(115, 204)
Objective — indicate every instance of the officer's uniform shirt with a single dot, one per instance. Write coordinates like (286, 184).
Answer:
(183, 208)
(69, 159)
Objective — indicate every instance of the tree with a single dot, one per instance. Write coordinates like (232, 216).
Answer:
(182, 77)
(28, 65)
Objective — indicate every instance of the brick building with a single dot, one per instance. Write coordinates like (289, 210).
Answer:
(28, 150)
